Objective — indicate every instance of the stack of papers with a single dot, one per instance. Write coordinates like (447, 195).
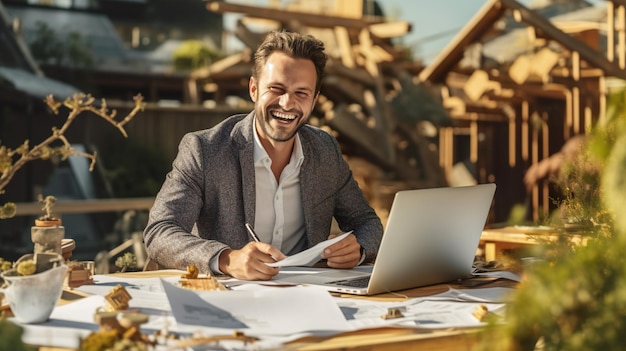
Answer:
(276, 315)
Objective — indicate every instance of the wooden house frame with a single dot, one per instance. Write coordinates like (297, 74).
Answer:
(515, 114)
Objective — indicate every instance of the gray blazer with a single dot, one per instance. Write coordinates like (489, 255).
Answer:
(209, 195)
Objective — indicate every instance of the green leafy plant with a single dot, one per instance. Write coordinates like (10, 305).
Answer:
(11, 337)
(11, 160)
(575, 298)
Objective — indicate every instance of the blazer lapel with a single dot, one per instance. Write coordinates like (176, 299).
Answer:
(246, 161)
(306, 182)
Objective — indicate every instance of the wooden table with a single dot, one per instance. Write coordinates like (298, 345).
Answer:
(495, 240)
(379, 339)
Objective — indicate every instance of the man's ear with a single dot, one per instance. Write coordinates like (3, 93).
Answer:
(252, 89)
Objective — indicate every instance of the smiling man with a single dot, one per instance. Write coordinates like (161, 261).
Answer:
(268, 168)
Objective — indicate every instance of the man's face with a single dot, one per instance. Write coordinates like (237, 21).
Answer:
(284, 96)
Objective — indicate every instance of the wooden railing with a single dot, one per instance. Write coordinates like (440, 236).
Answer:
(87, 206)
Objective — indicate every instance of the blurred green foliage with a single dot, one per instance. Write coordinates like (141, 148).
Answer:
(193, 54)
(575, 297)
(11, 337)
(49, 47)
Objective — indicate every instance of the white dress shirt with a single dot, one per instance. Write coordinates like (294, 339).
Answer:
(279, 219)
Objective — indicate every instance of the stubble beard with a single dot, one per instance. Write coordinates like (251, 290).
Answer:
(276, 134)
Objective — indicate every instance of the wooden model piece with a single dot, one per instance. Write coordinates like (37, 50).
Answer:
(116, 327)
(121, 322)
(192, 272)
(191, 281)
(480, 312)
(78, 275)
(392, 313)
(117, 299)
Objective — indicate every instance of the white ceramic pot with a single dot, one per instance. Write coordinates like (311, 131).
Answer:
(33, 297)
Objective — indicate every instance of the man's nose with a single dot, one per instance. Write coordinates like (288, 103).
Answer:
(286, 101)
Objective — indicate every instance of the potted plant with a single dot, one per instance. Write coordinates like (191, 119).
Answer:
(48, 219)
(47, 234)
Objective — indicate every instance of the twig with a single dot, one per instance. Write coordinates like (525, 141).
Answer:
(77, 104)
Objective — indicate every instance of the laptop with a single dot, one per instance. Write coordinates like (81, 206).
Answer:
(431, 237)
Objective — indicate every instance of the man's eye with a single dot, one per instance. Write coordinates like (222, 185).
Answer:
(276, 90)
(302, 94)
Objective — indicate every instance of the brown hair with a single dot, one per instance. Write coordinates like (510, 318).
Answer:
(294, 45)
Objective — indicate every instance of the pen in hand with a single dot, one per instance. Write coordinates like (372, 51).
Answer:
(254, 236)
(252, 233)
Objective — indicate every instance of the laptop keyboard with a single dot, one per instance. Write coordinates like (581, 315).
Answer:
(355, 283)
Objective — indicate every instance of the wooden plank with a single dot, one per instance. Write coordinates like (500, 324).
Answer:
(220, 65)
(519, 71)
(542, 63)
(455, 106)
(357, 74)
(348, 8)
(87, 206)
(344, 90)
(379, 54)
(390, 29)
(305, 18)
(269, 24)
(365, 49)
(368, 141)
(250, 38)
(344, 46)
(477, 84)
(389, 339)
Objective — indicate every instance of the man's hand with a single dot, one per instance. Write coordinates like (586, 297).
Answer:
(343, 254)
(248, 263)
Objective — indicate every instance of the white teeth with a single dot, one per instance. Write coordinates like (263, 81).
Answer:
(284, 116)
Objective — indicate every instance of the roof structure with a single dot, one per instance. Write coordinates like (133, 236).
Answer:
(537, 74)
(95, 30)
(19, 71)
(34, 85)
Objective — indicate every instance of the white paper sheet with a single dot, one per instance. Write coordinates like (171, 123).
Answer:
(309, 256)
(276, 311)
(449, 309)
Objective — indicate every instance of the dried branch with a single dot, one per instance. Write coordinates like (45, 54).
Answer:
(12, 160)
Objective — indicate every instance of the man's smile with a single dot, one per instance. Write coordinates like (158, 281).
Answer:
(284, 116)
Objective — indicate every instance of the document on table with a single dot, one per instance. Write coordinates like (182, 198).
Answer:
(270, 311)
(450, 309)
(309, 256)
